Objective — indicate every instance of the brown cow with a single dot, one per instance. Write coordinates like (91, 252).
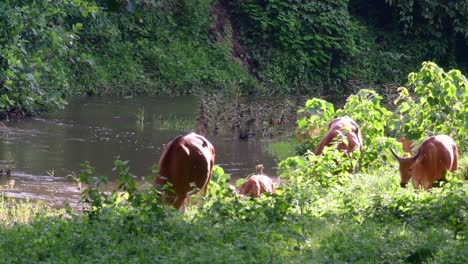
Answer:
(342, 125)
(435, 156)
(257, 184)
(185, 164)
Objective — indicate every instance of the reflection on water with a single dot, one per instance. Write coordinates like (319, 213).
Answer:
(100, 129)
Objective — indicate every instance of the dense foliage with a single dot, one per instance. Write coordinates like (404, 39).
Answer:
(166, 49)
(36, 47)
(319, 212)
(298, 44)
(50, 50)
(437, 105)
(334, 44)
(443, 23)
(365, 109)
(364, 218)
(53, 49)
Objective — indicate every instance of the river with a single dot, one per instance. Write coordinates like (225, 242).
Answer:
(45, 151)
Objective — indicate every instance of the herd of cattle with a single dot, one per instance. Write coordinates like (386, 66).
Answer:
(187, 162)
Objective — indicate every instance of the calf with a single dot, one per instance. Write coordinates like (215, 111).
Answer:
(435, 156)
(257, 184)
(185, 164)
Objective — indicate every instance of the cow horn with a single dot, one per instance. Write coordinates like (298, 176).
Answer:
(395, 154)
(416, 155)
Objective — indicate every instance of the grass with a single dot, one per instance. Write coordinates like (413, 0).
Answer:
(367, 218)
(173, 122)
(463, 168)
(14, 212)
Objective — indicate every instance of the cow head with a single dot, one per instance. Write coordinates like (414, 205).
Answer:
(406, 166)
(259, 169)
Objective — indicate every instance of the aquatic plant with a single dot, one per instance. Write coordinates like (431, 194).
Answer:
(174, 122)
(248, 118)
(140, 116)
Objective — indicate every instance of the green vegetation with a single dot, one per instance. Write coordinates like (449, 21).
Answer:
(365, 218)
(442, 107)
(298, 45)
(22, 212)
(365, 109)
(442, 23)
(320, 212)
(36, 47)
(165, 50)
(173, 122)
(49, 50)
(463, 165)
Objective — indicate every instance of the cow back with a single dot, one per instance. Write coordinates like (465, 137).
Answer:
(337, 126)
(186, 162)
(256, 185)
(438, 154)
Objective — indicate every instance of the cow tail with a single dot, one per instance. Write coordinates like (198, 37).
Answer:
(206, 144)
(167, 154)
(455, 158)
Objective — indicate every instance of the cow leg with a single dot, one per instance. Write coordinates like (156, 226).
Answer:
(179, 201)
(204, 190)
(416, 184)
(182, 207)
(427, 185)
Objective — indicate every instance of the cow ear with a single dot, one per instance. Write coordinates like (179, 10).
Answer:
(395, 154)
(416, 155)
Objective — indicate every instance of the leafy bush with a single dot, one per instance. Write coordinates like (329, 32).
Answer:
(365, 109)
(98, 199)
(36, 47)
(436, 106)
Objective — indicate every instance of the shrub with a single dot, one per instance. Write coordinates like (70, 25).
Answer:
(365, 109)
(36, 48)
(436, 105)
